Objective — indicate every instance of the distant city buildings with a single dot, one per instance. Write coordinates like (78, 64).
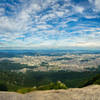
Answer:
(69, 62)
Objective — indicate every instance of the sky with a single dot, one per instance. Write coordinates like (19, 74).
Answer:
(49, 24)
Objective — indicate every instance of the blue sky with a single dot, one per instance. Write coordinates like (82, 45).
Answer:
(49, 24)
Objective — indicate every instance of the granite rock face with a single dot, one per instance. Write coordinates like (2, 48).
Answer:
(87, 93)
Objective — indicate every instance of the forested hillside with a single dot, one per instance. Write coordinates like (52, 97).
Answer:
(14, 81)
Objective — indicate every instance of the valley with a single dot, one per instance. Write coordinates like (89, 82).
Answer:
(51, 62)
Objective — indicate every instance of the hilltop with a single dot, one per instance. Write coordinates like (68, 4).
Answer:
(87, 93)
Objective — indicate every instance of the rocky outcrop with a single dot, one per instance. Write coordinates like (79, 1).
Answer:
(87, 93)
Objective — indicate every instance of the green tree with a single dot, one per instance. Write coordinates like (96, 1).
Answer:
(3, 87)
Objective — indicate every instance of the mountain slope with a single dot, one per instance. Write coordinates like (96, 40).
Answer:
(93, 80)
(87, 93)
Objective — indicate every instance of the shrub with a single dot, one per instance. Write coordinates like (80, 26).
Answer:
(60, 85)
(26, 90)
(57, 85)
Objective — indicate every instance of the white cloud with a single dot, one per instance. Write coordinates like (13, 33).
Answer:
(78, 9)
(2, 11)
(60, 13)
(91, 16)
(91, 1)
(96, 4)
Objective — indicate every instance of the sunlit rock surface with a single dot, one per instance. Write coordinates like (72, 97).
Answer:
(86, 93)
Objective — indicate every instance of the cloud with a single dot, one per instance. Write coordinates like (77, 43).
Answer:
(49, 23)
(79, 9)
(2, 11)
(96, 4)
